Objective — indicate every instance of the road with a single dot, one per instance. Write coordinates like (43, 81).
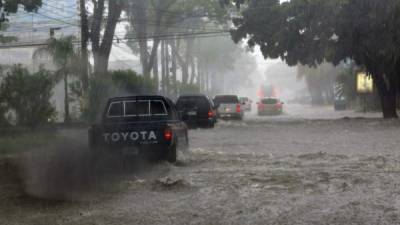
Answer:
(309, 166)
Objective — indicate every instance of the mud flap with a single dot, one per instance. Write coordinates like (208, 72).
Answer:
(172, 154)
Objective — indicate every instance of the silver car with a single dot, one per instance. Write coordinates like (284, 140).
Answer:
(228, 107)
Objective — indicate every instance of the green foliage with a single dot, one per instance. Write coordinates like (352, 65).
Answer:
(12, 6)
(187, 89)
(66, 60)
(128, 81)
(320, 81)
(117, 83)
(313, 31)
(99, 91)
(28, 95)
(62, 52)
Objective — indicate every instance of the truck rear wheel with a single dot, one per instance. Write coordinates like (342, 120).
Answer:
(171, 155)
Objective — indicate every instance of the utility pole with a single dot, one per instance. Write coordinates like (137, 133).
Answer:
(84, 46)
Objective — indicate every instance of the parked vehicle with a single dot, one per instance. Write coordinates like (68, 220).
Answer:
(270, 106)
(228, 107)
(148, 126)
(197, 111)
(246, 103)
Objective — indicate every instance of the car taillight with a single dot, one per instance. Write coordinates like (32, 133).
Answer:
(238, 109)
(168, 134)
(210, 114)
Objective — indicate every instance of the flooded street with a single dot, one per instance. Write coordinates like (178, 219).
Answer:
(270, 170)
(199, 112)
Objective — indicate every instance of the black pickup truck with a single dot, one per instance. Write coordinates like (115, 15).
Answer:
(139, 125)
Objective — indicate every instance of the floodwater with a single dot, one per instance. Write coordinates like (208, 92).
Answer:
(308, 166)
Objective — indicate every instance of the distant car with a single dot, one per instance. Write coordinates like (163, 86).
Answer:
(197, 111)
(246, 103)
(228, 107)
(270, 106)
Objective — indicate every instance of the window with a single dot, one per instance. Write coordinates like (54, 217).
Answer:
(115, 109)
(137, 108)
(227, 99)
(158, 108)
(192, 102)
(143, 108)
(269, 101)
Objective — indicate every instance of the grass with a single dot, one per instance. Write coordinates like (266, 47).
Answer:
(14, 145)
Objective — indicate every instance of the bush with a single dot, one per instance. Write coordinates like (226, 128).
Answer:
(28, 95)
(117, 83)
(129, 82)
(185, 89)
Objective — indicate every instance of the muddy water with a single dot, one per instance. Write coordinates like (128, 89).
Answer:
(305, 172)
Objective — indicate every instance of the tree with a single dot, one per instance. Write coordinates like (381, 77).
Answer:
(311, 32)
(12, 6)
(122, 82)
(101, 29)
(320, 81)
(64, 57)
(28, 95)
(149, 20)
(167, 20)
(84, 46)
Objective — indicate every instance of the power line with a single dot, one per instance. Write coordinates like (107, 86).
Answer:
(133, 39)
(56, 19)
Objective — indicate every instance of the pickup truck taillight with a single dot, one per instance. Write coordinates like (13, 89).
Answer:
(168, 134)
(238, 109)
(210, 114)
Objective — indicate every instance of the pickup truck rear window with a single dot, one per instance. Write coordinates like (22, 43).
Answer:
(115, 110)
(137, 108)
(226, 99)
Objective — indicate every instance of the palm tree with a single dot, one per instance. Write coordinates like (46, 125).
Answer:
(64, 57)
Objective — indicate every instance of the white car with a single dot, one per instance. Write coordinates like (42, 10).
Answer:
(270, 106)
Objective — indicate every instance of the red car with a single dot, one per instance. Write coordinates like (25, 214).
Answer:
(270, 106)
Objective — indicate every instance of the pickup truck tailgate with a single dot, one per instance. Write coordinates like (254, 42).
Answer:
(138, 133)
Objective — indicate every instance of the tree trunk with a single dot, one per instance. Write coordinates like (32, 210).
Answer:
(388, 95)
(100, 64)
(389, 103)
(101, 52)
(188, 54)
(67, 117)
(84, 44)
(167, 69)
(193, 70)
(162, 66)
(199, 75)
(207, 81)
(139, 21)
(155, 72)
(174, 67)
